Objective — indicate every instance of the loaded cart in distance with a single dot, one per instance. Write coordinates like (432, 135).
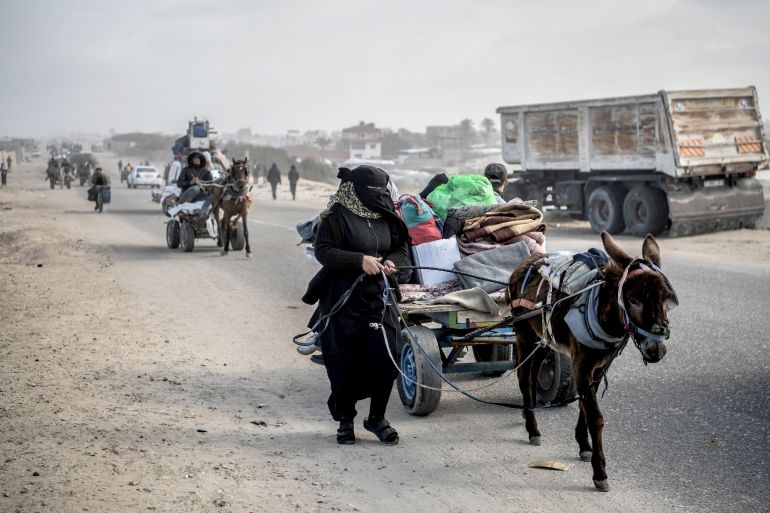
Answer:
(676, 161)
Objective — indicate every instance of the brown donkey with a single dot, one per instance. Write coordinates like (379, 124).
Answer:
(638, 313)
(234, 201)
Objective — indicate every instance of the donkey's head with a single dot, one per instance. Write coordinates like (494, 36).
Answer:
(644, 296)
(239, 174)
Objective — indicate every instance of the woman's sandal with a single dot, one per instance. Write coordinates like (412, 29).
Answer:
(383, 430)
(345, 433)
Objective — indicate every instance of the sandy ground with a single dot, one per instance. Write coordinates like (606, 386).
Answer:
(118, 396)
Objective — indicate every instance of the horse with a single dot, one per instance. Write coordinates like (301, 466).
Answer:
(234, 200)
(634, 297)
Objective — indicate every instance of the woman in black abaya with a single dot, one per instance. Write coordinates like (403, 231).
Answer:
(360, 232)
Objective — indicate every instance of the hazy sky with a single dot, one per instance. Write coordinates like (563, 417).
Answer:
(275, 65)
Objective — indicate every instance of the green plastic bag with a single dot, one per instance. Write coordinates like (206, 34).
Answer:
(461, 190)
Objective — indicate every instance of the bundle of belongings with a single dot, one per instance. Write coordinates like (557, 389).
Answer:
(479, 238)
(455, 224)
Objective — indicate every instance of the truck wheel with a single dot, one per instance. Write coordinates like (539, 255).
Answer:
(554, 382)
(414, 364)
(187, 236)
(605, 209)
(493, 353)
(237, 240)
(172, 234)
(645, 210)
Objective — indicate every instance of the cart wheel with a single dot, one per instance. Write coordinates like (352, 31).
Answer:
(172, 234)
(414, 364)
(555, 383)
(187, 236)
(237, 240)
(493, 353)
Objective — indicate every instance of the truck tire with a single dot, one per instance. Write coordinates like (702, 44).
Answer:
(414, 364)
(605, 209)
(554, 382)
(172, 234)
(187, 236)
(493, 353)
(645, 210)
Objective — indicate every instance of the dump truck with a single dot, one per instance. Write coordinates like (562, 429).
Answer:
(681, 162)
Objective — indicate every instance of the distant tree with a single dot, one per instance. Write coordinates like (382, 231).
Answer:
(488, 127)
(415, 139)
(323, 142)
(467, 133)
(309, 168)
(392, 143)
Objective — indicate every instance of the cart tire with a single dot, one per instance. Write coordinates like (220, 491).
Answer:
(172, 234)
(417, 400)
(237, 240)
(187, 236)
(493, 353)
(554, 382)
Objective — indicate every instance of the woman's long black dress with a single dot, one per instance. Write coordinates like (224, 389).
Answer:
(354, 352)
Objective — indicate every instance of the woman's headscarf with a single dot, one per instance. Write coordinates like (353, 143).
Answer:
(364, 191)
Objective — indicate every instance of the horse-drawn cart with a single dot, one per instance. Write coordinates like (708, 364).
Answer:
(442, 333)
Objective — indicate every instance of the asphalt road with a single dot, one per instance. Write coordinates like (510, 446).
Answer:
(687, 434)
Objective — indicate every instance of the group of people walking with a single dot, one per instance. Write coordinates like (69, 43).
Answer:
(272, 176)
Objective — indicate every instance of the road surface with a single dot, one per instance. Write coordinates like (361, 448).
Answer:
(139, 378)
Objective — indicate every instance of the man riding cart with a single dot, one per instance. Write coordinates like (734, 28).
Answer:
(190, 179)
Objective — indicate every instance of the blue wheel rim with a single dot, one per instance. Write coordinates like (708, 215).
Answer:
(409, 368)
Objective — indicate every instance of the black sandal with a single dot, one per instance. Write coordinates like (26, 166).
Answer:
(345, 433)
(382, 428)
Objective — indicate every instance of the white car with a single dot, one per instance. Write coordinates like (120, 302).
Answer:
(144, 175)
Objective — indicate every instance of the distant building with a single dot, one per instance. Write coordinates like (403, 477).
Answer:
(242, 135)
(362, 141)
(444, 136)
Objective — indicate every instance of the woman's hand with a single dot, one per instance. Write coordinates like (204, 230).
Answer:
(371, 265)
(390, 267)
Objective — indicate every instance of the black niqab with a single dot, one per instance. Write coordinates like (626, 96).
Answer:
(371, 185)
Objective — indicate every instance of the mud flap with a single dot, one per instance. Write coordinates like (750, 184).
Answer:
(695, 210)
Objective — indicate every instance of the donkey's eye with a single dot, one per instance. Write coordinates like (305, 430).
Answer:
(635, 303)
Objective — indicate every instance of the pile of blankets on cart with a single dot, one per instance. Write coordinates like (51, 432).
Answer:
(503, 225)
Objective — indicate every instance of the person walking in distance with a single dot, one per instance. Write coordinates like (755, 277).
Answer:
(274, 177)
(293, 179)
(3, 174)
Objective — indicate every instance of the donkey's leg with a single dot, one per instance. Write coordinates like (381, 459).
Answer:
(245, 222)
(593, 418)
(226, 230)
(219, 226)
(537, 362)
(581, 430)
(524, 347)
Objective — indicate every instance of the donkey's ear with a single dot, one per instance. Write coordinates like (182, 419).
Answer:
(245, 159)
(615, 252)
(650, 250)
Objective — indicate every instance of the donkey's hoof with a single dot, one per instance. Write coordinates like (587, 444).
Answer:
(248, 255)
(586, 455)
(602, 486)
(534, 440)
(223, 252)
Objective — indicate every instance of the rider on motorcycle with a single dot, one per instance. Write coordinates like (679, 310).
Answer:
(189, 181)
